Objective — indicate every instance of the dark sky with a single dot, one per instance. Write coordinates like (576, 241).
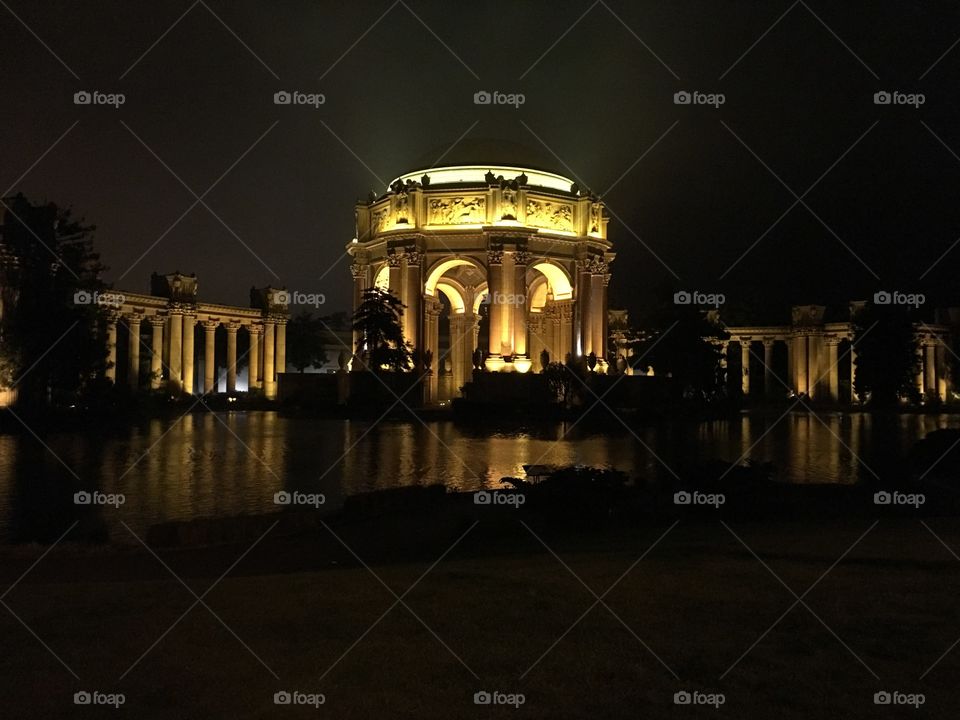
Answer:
(599, 99)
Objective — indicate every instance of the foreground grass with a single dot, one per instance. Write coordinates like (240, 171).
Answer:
(500, 612)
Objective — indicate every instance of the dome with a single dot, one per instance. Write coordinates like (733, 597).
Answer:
(487, 151)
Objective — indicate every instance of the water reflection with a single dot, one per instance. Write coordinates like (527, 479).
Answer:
(232, 463)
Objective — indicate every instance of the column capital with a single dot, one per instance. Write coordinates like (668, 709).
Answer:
(495, 256)
(769, 341)
(157, 320)
(232, 327)
(358, 270)
(255, 329)
(522, 257)
(133, 319)
(210, 324)
(413, 256)
(394, 258)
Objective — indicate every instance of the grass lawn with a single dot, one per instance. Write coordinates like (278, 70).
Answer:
(499, 612)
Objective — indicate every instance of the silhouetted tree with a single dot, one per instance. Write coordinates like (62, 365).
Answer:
(305, 341)
(53, 334)
(381, 342)
(887, 362)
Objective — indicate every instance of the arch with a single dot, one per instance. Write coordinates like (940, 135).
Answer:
(479, 293)
(382, 278)
(454, 295)
(537, 293)
(443, 266)
(557, 279)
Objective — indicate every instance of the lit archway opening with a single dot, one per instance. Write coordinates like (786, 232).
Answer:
(557, 280)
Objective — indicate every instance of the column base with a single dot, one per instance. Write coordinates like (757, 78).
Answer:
(495, 363)
(522, 363)
(270, 390)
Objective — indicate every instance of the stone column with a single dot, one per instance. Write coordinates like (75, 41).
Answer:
(815, 365)
(255, 380)
(133, 351)
(189, 322)
(413, 293)
(111, 371)
(280, 359)
(833, 372)
(942, 371)
(157, 323)
(801, 379)
(565, 330)
(518, 309)
(174, 365)
(598, 269)
(458, 349)
(745, 366)
(495, 329)
(269, 383)
(930, 366)
(210, 356)
(396, 274)
(919, 379)
(768, 367)
(584, 333)
(431, 328)
(232, 328)
(359, 272)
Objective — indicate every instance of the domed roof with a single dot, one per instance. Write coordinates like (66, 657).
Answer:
(487, 151)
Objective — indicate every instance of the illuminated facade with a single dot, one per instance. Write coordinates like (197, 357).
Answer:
(528, 244)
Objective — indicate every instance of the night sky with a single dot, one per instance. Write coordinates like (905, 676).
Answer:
(600, 96)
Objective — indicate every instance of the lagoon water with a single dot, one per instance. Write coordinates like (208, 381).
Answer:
(232, 463)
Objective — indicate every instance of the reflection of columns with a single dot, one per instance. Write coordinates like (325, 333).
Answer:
(412, 294)
(189, 322)
(930, 366)
(255, 380)
(157, 324)
(111, 372)
(133, 351)
(745, 365)
(494, 291)
(833, 372)
(853, 372)
(176, 351)
(768, 367)
(281, 352)
(232, 328)
(209, 356)
(269, 385)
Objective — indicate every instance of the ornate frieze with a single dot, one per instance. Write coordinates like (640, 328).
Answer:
(459, 210)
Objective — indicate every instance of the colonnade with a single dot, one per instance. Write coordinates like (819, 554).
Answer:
(173, 355)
